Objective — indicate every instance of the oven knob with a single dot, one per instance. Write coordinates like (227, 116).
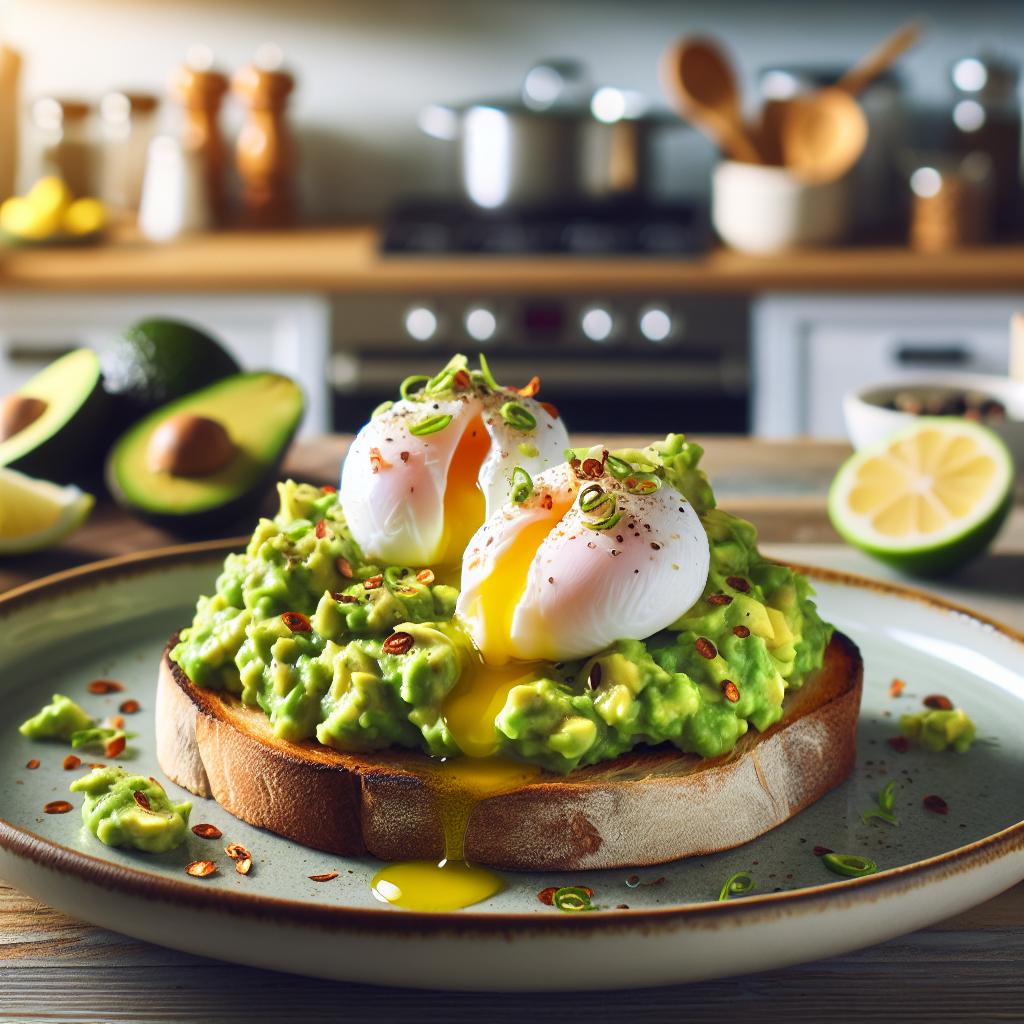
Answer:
(481, 324)
(421, 323)
(597, 324)
(658, 325)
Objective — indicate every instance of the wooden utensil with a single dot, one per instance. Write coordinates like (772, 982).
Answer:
(822, 135)
(879, 59)
(699, 79)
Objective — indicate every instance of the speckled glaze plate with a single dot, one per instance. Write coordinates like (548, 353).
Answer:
(655, 926)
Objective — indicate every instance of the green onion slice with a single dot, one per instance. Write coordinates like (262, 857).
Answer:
(887, 798)
(642, 483)
(430, 425)
(619, 468)
(572, 899)
(397, 577)
(381, 409)
(878, 812)
(592, 496)
(603, 524)
(736, 885)
(850, 865)
(485, 373)
(518, 417)
(522, 485)
(405, 389)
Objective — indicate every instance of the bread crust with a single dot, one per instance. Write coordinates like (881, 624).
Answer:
(646, 807)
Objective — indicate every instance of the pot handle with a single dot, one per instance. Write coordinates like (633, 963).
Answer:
(439, 122)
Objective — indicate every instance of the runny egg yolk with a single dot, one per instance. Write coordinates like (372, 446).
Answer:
(464, 502)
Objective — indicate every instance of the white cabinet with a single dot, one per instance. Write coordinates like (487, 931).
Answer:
(287, 333)
(809, 350)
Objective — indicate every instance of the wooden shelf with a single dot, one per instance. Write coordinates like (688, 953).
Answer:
(339, 260)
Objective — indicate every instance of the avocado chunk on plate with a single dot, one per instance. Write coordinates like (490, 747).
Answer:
(156, 361)
(154, 471)
(56, 425)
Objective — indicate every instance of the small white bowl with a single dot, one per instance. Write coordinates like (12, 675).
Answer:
(868, 421)
(762, 209)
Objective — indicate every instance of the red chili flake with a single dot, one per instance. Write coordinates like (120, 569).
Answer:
(549, 409)
(114, 746)
(115, 722)
(329, 489)
(899, 743)
(546, 501)
(130, 707)
(425, 576)
(141, 799)
(530, 389)
(462, 380)
(58, 807)
(344, 566)
(321, 529)
(730, 690)
(820, 851)
(373, 582)
(33, 764)
(327, 876)
(594, 679)
(377, 461)
(938, 702)
(718, 599)
(738, 583)
(104, 686)
(547, 896)
(200, 868)
(207, 831)
(705, 648)
(71, 762)
(397, 643)
(935, 804)
(97, 764)
(344, 598)
(592, 468)
(896, 687)
(741, 631)
(404, 456)
(296, 622)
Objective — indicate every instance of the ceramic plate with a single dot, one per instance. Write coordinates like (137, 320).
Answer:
(655, 926)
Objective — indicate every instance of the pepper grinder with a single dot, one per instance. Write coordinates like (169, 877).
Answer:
(264, 149)
(200, 90)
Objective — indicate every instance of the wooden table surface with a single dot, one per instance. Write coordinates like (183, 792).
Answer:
(969, 968)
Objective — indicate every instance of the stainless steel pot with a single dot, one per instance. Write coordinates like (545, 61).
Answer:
(549, 150)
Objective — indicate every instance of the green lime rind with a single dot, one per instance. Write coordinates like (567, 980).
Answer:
(977, 531)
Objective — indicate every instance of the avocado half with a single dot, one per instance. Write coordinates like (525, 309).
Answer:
(65, 444)
(260, 411)
(158, 360)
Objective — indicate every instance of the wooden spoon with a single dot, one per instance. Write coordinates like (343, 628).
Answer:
(823, 135)
(879, 59)
(698, 77)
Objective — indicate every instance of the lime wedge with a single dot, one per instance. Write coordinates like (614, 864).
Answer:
(36, 514)
(926, 499)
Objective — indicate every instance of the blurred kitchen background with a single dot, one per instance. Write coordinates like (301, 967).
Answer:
(351, 191)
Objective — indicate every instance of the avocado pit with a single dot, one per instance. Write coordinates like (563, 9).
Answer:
(18, 412)
(188, 445)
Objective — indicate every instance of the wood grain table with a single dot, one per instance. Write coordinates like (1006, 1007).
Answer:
(969, 968)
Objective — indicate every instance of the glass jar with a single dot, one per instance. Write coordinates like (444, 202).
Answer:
(129, 122)
(62, 143)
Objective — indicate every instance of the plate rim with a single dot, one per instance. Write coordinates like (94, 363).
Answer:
(94, 870)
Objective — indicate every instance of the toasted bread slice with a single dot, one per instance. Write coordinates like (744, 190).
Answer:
(646, 807)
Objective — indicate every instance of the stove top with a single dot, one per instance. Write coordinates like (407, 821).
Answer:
(607, 230)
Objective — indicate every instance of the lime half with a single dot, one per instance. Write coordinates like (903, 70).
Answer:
(36, 514)
(926, 499)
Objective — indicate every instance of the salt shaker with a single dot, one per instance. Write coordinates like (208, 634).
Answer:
(175, 200)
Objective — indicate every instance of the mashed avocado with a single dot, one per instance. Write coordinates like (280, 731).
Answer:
(939, 730)
(299, 625)
(59, 720)
(122, 809)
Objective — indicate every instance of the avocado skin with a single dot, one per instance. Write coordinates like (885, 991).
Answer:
(156, 361)
(243, 506)
(74, 453)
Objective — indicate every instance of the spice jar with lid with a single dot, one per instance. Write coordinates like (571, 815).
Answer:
(63, 144)
(128, 122)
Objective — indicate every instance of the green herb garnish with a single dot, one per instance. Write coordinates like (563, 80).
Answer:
(486, 375)
(884, 810)
(518, 417)
(642, 483)
(619, 468)
(430, 425)
(522, 485)
(381, 409)
(736, 885)
(572, 899)
(850, 865)
(406, 386)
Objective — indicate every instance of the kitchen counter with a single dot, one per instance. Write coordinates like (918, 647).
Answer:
(346, 259)
(970, 967)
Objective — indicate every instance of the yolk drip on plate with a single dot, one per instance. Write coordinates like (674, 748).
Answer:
(464, 503)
